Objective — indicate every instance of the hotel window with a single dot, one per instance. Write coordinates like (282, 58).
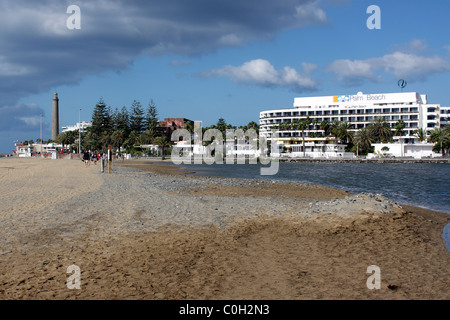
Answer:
(414, 117)
(369, 110)
(431, 110)
(414, 109)
(318, 113)
(377, 110)
(278, 114)
(352, 119)
(405, 110)
(295, 114)
(414, 125)
(386, 110)
(359, 111)
(369, 118)
(387, 118)
(431, 118)
(344, 118)
(352, 111)
(303, 113)
(287, 114)
(395, 110)
(326, 112)
(344, 111)
(335, 112)
(431, 125)
(395, 118)
(405, 117)
(360, 125)
(310, 113)
(360, 118)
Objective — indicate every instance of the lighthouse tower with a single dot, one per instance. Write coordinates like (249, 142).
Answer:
(55, 121)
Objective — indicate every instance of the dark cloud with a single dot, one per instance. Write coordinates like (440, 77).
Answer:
(20, 117)
(38, 52)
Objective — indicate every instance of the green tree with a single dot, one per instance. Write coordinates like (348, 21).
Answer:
(118, 138)
(221, 125)
(380, 130)
(162, 142)
(421, 134)
(137, 122)
(363, 141)
(399, 128)
(302, 125)
(342, 131)
(189, 126)
(151, 120)
(101, 119)
(325, 126)
(441, 139)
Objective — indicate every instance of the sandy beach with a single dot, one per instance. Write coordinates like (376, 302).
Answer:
(156, 232)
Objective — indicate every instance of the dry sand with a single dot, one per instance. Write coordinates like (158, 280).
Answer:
(127, 251)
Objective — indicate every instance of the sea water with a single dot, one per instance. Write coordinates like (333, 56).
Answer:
(419, 184)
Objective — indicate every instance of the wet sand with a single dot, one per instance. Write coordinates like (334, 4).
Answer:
(262, 256)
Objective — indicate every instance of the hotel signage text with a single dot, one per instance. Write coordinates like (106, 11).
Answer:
(359, 98)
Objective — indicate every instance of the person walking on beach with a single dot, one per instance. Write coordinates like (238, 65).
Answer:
(86, 159)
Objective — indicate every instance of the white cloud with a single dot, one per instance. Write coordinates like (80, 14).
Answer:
(262, 72)
(410, 66)
(413, 66)
(415, 46)
(447, 47)
(310, 13)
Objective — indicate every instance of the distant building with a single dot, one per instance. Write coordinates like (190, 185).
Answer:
(82, 126)
(445, 116)
(35, 149)
(169, 125)
(358, 110)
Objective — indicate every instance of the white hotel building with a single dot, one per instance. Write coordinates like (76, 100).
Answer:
(359, 110)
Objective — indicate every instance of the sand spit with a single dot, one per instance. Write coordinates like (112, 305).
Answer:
(141, 234)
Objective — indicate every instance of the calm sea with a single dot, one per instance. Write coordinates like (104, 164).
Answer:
(424, 185)
(418, 184)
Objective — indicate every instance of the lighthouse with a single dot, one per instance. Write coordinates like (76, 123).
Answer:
(55, 121)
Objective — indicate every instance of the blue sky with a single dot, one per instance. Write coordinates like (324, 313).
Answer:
(206, 59)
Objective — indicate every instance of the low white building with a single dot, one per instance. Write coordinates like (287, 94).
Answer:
(82, 126)
(405, 148)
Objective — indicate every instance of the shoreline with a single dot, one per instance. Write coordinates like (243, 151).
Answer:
(140, 234)
(167, 167)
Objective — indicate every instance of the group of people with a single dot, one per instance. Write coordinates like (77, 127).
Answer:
(89, 157)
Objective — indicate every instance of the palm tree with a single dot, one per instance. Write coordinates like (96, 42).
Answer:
(399, 128)
(363, 139)
(117, 138)
(334, 128)
(302, 125)
(421, 134)
(380, 130)
(325, 126)
(439, 137)
(315, 122)
(342, 131)
(162, 142)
